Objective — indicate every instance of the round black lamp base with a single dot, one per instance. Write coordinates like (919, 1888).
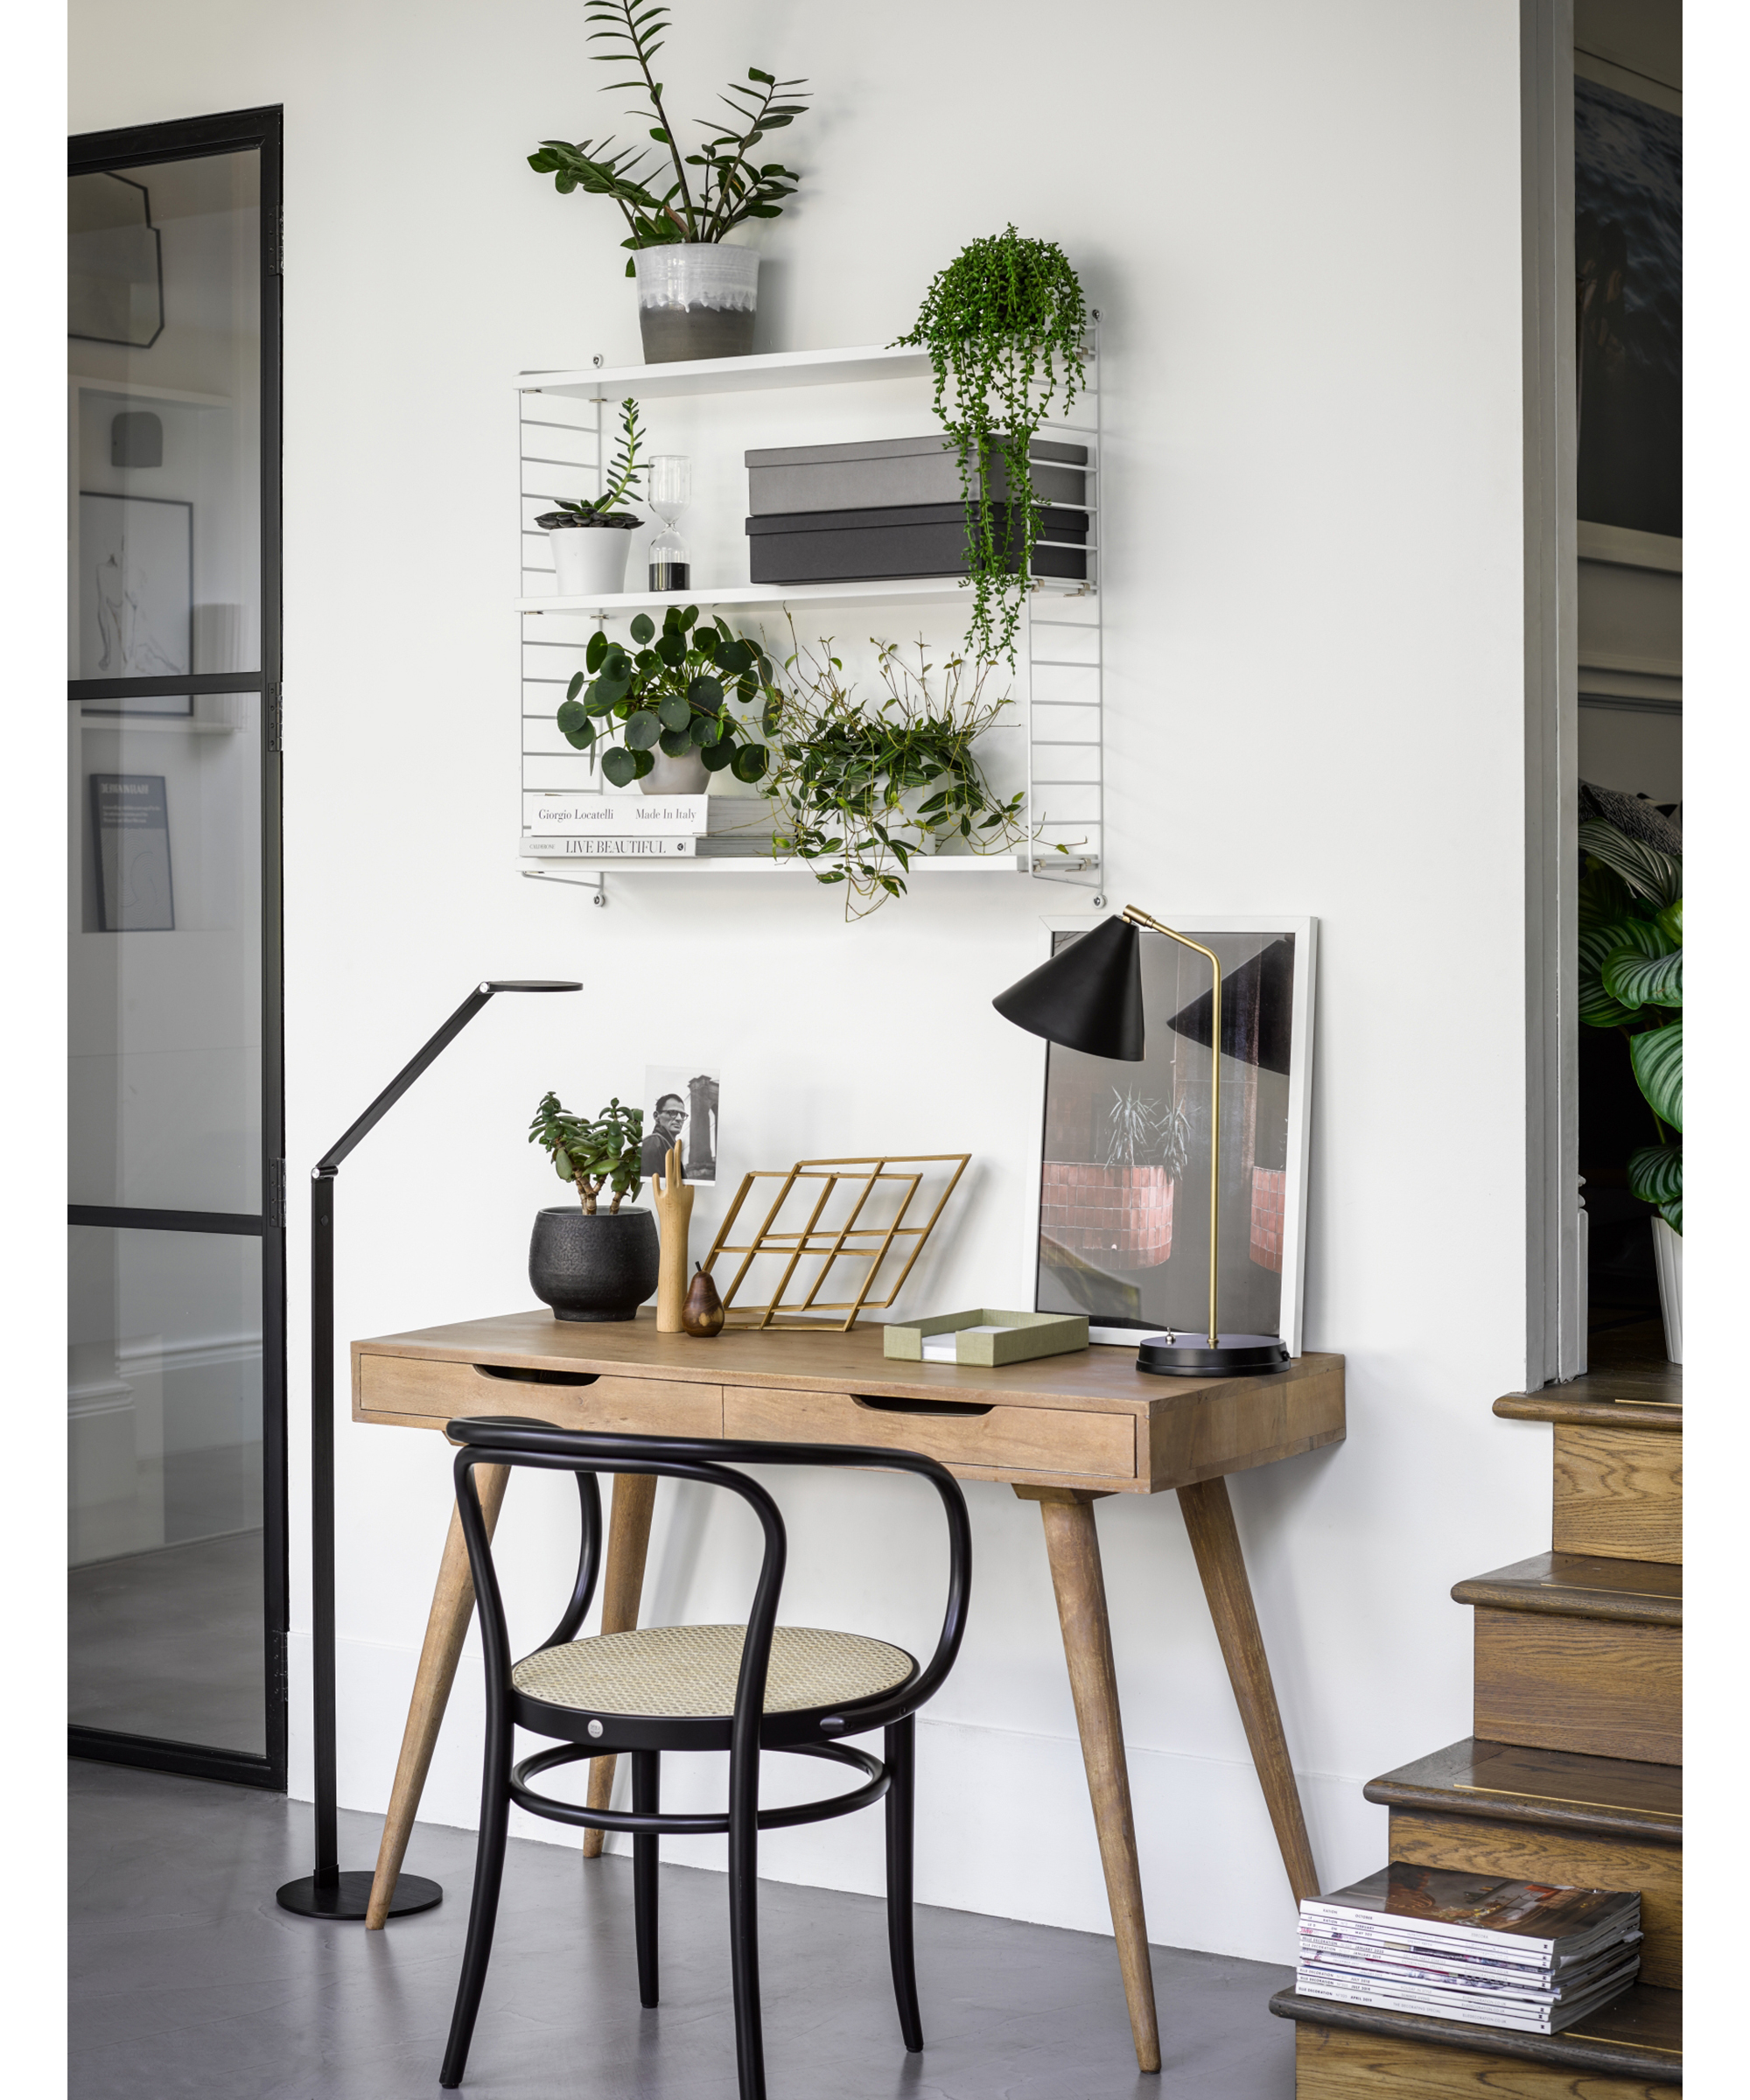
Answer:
(1175, 1356)
(348, 1896)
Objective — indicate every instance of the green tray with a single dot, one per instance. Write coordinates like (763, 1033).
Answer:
(1027, 1335)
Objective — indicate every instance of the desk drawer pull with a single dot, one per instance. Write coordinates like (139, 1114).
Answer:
(531, 1376)
(922, 1407)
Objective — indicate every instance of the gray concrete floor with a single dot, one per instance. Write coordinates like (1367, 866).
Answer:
(190, 1984)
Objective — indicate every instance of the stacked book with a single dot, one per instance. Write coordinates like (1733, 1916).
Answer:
(1470, 1947)
(627, 826)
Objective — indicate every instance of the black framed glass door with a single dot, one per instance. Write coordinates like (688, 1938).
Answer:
(176, 1388)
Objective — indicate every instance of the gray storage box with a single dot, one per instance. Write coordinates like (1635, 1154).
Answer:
(925, 539)
(890, 471)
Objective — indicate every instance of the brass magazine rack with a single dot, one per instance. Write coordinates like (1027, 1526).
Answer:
(868, 1184)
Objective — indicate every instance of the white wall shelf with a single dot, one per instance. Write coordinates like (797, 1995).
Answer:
(730, 375)
(566, 437)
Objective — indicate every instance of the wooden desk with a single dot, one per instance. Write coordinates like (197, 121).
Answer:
(1062, 1431)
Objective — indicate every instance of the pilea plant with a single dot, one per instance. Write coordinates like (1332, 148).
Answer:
(670, 692)
(592, 1155)
(731, 185)
(1631, 978)
(844, 768)
(624, 473)
(1004, 327)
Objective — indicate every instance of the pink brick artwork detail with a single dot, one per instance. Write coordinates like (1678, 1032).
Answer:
(1118, 1217)
(1270, 1199)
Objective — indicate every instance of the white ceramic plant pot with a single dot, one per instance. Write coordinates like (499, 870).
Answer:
(589, 561)
(695, 299)
(685, 775)
(1667, 1255)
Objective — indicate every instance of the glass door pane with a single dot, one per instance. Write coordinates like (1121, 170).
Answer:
(164, 1607)
(163, 370)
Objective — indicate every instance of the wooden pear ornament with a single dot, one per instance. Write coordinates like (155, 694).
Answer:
(673, 1201)
(702, 1313)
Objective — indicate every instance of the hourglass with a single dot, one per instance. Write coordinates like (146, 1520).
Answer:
(668, 490)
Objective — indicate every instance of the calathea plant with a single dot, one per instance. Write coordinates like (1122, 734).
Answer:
(670, 692)
(603, 509)
(1631, 978)
(860, 786)
(1004, 325)
(594, 1154)
(729, 185)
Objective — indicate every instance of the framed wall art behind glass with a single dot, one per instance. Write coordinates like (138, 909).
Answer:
(1120, 1213)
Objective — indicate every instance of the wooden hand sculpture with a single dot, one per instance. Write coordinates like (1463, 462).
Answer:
(673, 1201)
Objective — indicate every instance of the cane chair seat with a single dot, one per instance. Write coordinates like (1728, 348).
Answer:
(690, 1671)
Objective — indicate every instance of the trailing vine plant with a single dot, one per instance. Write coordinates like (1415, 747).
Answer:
(847, 772)
(1004, 325)
(731, 185)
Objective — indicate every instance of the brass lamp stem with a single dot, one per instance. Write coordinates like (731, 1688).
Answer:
(1134, 917)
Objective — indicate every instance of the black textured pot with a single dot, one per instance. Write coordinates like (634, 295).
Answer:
(593, 1268)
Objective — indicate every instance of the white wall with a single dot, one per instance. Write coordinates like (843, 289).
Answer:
(1302, 225)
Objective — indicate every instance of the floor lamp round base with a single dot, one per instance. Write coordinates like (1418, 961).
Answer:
(1234, 1356)
(348, 1896)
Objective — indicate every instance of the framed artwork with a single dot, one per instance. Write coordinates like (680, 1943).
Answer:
(135, 592)
(1122, 1207)
(130, 825)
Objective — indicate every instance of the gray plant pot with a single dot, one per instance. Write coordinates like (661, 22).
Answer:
(593, 1268)
(696, 299)
(685, 775)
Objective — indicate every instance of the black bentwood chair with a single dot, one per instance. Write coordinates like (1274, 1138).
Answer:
(745, 1690)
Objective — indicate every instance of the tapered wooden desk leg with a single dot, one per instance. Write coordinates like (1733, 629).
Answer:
(629, 1541)
(452, 1607)
(1209, 1519)
(1073, 1548)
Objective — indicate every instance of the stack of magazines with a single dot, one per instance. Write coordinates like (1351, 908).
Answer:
(1470, 1947)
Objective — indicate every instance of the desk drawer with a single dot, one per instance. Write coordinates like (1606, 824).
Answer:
(1000, 1439)
(421, 1389)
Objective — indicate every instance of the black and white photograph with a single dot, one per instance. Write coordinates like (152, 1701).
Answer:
(680, 1108)
(1123, 1191)
(135, 586)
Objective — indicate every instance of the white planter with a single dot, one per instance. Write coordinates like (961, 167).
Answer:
(685, 775)
(695, 299)
(589, 561)
(1668, 1254)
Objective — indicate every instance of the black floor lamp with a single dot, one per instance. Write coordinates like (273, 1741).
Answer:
(328, 1893)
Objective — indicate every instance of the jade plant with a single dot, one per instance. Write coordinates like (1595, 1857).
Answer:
(671, 691)
(593, 1155)
(1631, 978)
(730, 185)
(859, 786)
(1004, 325)
(622, 475)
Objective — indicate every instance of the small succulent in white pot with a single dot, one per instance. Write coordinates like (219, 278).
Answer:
(588, 536)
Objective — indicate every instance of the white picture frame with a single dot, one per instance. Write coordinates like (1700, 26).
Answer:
(1199, 926)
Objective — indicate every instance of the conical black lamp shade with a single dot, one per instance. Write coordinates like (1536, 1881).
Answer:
(1088, 997)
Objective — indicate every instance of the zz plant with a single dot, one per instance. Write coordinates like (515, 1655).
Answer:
(593, 1155)
(848, 771)
(669, 692)
(622, 475)
(1631, 978)
(729, 185)
(1004, 327)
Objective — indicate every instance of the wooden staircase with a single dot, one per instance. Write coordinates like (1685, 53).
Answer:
(1573, 1772)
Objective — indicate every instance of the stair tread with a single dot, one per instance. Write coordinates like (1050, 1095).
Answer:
(1506, 1782)
(1628, 1384)
(1638, 2035)
(1585, 1585)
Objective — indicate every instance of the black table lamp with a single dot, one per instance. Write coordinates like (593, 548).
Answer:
(328, 1893)
(1090, 998)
